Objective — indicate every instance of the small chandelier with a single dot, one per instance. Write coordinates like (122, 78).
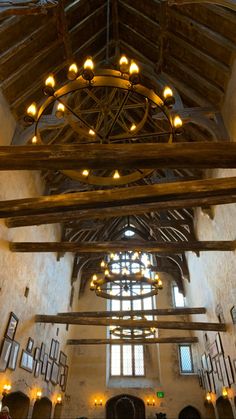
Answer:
(132, 333)
(104, 106)
(125, 277)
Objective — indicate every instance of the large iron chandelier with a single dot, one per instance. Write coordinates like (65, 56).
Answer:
(104, 106)
(126, 277)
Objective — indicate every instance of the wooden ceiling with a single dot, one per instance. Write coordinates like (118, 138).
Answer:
(190, 47)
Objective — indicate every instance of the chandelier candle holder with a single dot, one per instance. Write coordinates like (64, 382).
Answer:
(133, 333)
(125, 277)
(104, 106)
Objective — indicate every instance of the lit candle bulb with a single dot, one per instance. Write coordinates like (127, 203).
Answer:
(169, 99)
(49, 86)
(178, 123)
(91, 132)
(31, 114)
(106, 272)
(88, 73)
(123, 64)
(72, 72)
(34, 140)
(102, 264)
(116, 175)
(60, 111)
(85, 172)
(134, 73)
(133, 127)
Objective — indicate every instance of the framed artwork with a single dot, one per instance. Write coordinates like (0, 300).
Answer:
(13, 355)
(48, 371)
(209, 364)
(11, 326)
(219, 344)
(52, 349)
(233, 314)
(56, 350)
(214, 365)
(38, 365)
(229, 369)
(207, 381)
(234, 362)
(204, 361)
(65, 379)
(5, 353)
(62, 380)
(62, 358)
(218, 368)
(30, 345)
(225, 378)
(199, 378)
(44, 364)
(54, 373)
(203, 379)
(36, 354)
(213, 349)
(42, 351)
(27, 361)
(212, 382)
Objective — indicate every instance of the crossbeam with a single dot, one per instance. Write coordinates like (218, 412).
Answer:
(119, 156)
(117, 197)
(154, 312)
(43, 318)
(123, 246)
(230, 4)
(132, 341)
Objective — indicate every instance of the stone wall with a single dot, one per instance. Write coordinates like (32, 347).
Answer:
(47, 279)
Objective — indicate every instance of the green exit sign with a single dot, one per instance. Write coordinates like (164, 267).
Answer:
(160, 394)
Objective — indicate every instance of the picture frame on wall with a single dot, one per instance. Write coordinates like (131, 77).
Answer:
(62, 358)
(234, 362)
(225, 378)
(214, 367)
(27, 361)
(48, 371)
(5, 353)
(56, 350)
(13, 355)
(219, 344)
(11, 326)
(54, 373)
(213, 350)
(36, 354)
(52, 349)
(204, 361)
(44, 364)
(42, 351)
(207, 381)
(37, 369)
(212, 382)
(65, 379)
(229, 369)
(209, 363)
(30, 345)
(199, 378)
(218, 368)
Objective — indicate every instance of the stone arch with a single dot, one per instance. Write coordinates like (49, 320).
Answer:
(57, 411)
(42, 409)
(18, 404)
(224, 408)
(125, 406)
(189, 412)
(210, 411)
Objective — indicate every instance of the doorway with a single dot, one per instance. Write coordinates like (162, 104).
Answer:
(125, 406)
(18, 404)
(189, 412)
(224, 408)
(42, 409)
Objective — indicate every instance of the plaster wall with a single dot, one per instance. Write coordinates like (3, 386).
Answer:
(47, 279)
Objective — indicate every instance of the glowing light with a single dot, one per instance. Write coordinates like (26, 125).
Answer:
(60, 107)
(91, 132)
(73, 71)
(112, 256)
(34, 140)
(59, 398)
(167, 92)
(94, 278)
(106, 272)
(208, 397)
(116, 175)
(123, 60)
(102, 264)
(32, 110)
(88, 64)
(85, 172)
(133, 127)
(134, 68)
(39, 394)
(178, 122)
(50, 81)
(225, 392)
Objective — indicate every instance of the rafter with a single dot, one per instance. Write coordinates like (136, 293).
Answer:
(230, 4)
(145, 341)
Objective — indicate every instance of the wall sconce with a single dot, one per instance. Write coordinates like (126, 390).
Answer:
(59, 399)
(151, 402)
(225, 392)
(38, 394)
(97, 402)
(6, 389)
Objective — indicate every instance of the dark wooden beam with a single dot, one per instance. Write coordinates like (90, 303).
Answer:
(110, 212)
(118, 197)
(26, 7)
(109, 156)
(154, 312)
(132, 341)
(230, 4)
(43, 318)
(123, 246)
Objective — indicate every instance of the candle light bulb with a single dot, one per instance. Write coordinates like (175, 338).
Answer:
(116, 175)
(73, 71)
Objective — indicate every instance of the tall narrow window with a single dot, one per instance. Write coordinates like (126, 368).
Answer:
(185, 359)
(128, 360)
(178, 297)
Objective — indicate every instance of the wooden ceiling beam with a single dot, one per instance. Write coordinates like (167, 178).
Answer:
(230, 4)
(155, 312)
(124, 246)
(109, 212)
(222, 189)
(146, 341)
(120, 156)
(26, 7)
(44, 318)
